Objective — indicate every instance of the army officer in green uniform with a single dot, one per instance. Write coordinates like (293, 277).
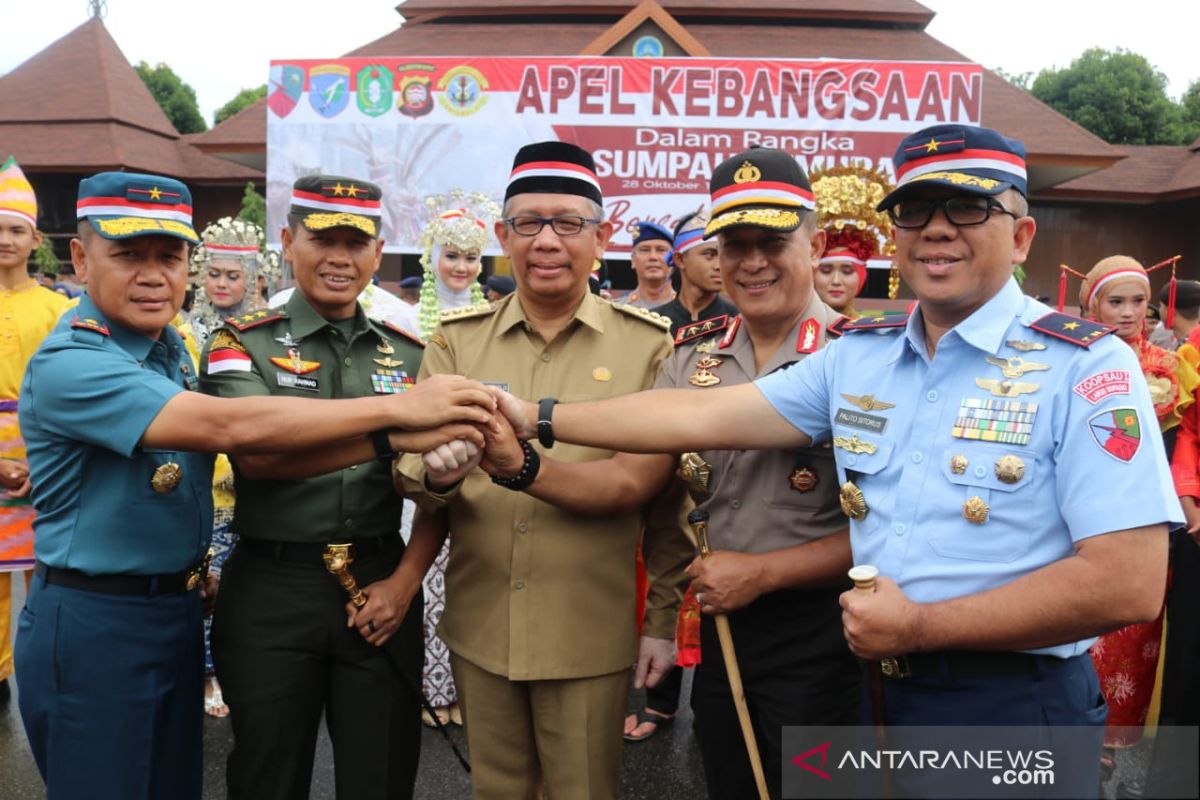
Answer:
(286, 645)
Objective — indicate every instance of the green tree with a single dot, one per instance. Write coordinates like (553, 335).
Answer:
(254, 207)
(1190, 105)
(245, 98)
(175, 98)
(1021, 80)
(1117, 95)
(45, 262)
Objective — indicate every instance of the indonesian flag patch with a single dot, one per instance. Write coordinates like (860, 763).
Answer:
(227, 359)
(1118, 432)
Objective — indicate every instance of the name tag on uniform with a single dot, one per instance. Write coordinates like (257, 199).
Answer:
(302, 382)
(857, 419)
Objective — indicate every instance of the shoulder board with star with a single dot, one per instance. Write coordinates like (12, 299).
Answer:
(467, 312)
(881, 322)
(834, 329)
(255, 318)
(396, 329)
(645, 315)
(700, 329)
(89, 324)
(1081, 332)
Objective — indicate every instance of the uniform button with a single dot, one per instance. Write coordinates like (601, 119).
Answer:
(980, 470)
(349, 523)
(918, 457)
(519, 585)
(851, 460)
(899, 528)
(735, 504)
(522, 527)
(931, 395)
(349, 362)
(545, 356)
(354, 466)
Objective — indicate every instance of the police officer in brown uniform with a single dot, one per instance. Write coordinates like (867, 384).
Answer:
(779, 537)
(540, 587)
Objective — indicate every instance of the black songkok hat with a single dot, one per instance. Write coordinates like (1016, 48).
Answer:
(554, 168)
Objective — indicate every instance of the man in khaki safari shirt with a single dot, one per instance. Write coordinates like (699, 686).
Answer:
(540, 590)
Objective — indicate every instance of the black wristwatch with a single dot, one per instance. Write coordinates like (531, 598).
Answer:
(529, 470)
(545, 428)
(383, 445)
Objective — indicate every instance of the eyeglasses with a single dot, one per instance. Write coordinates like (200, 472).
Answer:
(566, 225)
(960, 211)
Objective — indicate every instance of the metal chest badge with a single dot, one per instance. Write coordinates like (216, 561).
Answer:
(975, 510)
(803, 479)
(166, 477)
(854, 504)
(703, 375)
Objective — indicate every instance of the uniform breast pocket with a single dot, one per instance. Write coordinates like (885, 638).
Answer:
(864, 461)
(804, 481)
(992, 489)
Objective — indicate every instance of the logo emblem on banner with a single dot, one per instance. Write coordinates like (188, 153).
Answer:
(374, 90)
(329, 89)
(1118, 432)
(287, 84)
(463, 90)
(416, 93)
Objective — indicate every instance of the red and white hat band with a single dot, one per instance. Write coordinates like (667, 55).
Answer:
(761, 193)
(348, 205)
(231, 248)
(963, 160)
(554, 169)
(120, 207)
(841, 256)
(1112, 277)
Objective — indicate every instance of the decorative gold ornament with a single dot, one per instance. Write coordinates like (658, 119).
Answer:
(1009, 469)
(166, 477)
(854, 444)
(1015, 367)
(958, 464)
(747, 173)
(976, 510)
(197, 574)
(867, 402)
(602, 374)
(385, 347)
(803, 479)
(388, 363)
(854, 504)
(1024, 346)
(1006, 388)
(695, 473)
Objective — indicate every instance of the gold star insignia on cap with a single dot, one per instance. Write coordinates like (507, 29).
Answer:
(155, 193)
(352, 190)
(1070, 326)
(338, 189)
(932, 146)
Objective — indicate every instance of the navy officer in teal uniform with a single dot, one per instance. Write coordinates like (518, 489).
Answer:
(977, 444)
(109, 656)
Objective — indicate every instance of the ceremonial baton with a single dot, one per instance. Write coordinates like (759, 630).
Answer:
(864, 576)
(338, 558)
(698, 519)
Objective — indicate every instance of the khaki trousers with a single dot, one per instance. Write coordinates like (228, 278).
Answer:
(560, 736)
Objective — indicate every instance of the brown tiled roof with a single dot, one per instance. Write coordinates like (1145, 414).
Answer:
(248, 127)
(1148, 173)
(81, 77)
(78, 106)
(901, 11)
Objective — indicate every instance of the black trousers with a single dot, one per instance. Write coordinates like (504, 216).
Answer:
(284, 656)
(796, 670)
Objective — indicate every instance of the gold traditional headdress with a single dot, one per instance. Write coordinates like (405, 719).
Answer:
(236, 239)
(846, 200)
(459, 220)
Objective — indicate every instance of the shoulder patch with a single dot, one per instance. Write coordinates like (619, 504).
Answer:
(1081, 332)
(468, 312)
(883, 321)
(645, 315)
(255, 318)
(396, 329)
(701, 328)
(834, 329)
(89, 324)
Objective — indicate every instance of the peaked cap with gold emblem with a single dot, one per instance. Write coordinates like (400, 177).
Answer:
(761, 186)
(969, 159)
(332, 201)
(121, 205)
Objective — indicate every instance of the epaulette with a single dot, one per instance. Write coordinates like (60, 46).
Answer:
(834, 329)
(396, 329)
(467, 312)
(645, 314)
(89, 324)
(881, 322)
(701, 328)
(1077, 331)
(255, 318)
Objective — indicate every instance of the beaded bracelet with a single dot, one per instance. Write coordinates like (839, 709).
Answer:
(529, 470)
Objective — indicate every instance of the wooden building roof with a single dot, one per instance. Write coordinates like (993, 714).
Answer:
(78, 106)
